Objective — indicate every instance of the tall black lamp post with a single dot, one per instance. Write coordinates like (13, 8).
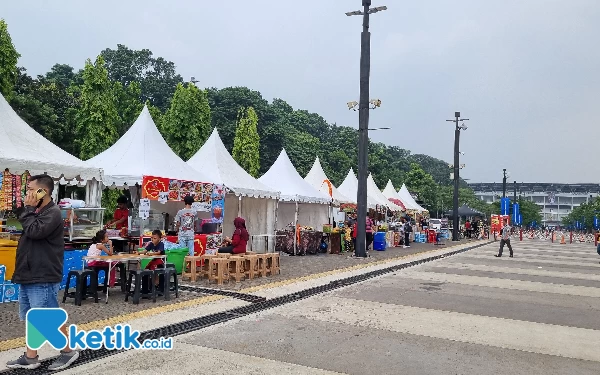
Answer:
(458, 127)
(363, 124)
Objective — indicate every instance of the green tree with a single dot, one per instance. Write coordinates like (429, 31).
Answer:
(48, 107)
(247, 142)
(128, 104)
(8, 62)
(186, 125)
(155, 113)
(157, 77)
(422, 184)
(302, 148)
(97, 118)
(584, 213)
(61, 73)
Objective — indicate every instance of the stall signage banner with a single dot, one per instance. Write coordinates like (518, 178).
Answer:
(348, 207)
(144, 210)
(207, 197)
(218, 204)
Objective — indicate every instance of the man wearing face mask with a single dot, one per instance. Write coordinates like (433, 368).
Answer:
(39, 263)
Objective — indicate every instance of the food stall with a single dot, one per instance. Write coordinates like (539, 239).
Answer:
(167, 195)
(142, 162)
(246, 196)
(24, 153)
(300, 209)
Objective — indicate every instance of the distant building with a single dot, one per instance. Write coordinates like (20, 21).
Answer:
(555, 200)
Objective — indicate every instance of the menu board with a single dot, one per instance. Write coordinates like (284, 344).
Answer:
(207, 197)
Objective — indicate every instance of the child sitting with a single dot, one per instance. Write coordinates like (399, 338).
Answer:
(155, 247)
(101, 244)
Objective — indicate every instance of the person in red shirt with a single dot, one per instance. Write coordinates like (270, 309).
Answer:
(121, 214)
(237, 244)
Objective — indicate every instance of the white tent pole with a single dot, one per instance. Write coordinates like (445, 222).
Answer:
(239, 206)
(276, 214)
(296, 232)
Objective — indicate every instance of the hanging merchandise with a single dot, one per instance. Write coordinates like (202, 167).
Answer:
(12, 190)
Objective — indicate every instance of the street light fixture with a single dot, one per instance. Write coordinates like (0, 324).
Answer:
(374, 104)
(193, 80)
(370, 11)
(458, 122)
(363, 124)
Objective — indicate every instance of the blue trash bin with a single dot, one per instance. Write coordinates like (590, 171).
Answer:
(379, 242)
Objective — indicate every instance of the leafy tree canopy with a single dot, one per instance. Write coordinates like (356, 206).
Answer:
(8, 62)
(247, 142)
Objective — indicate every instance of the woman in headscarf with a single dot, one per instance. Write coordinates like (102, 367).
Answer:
(237, 244)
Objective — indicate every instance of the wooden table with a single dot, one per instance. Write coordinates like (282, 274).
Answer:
(113, 260)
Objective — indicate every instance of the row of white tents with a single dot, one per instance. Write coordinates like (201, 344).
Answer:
(280, 197)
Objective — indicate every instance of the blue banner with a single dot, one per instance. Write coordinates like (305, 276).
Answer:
(596, 223)
(504, 206)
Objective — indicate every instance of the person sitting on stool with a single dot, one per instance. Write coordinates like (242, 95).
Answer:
(237, 244)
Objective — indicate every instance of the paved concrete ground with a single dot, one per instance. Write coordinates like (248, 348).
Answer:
(470, 313)
(291, 268)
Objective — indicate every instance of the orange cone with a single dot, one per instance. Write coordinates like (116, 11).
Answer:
(562, 240)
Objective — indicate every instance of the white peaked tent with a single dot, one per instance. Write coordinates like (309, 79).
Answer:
(302, 203)
(218, 165)
(318, 179)
(23, 149)
(408, 200)
(142, 151)
(390, 192)
(373, 190)
(283, 177)
(350, 189)
(255, 201)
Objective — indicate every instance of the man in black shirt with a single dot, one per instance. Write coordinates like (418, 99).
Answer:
(39, 263)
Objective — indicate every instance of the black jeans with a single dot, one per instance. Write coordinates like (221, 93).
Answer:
(369, 239)
(226, 250)
(507, 243)
(406, 239)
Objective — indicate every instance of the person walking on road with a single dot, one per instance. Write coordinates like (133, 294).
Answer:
(39, 264)
(505, 240)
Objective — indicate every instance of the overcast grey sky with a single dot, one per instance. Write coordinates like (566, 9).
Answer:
(526, 73)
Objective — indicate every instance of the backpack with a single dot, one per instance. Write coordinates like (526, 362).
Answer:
(408, 228)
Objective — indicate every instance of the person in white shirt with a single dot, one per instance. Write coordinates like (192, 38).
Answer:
(505, 240)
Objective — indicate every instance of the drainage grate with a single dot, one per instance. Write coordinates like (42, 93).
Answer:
(196, 324)
(244, 297)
